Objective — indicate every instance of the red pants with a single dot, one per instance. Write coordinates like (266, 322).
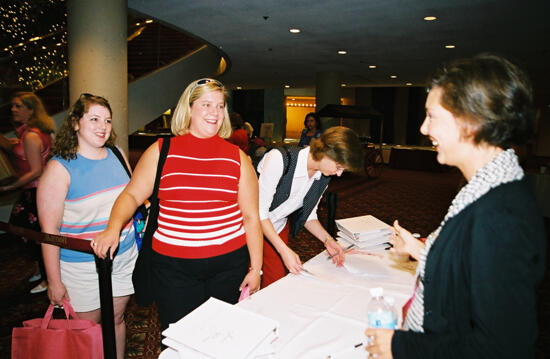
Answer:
(273, 266)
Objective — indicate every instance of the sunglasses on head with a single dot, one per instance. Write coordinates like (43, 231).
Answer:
(204, 82)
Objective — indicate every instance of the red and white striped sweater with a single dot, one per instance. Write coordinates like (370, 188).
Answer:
(199, 214)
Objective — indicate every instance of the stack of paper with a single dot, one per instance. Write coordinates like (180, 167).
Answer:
(365, 232)
(217, 329)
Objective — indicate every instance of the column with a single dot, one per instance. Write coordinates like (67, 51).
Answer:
(97, 32)
(327, 91)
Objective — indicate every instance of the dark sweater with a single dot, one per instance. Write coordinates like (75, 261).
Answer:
(480, 281)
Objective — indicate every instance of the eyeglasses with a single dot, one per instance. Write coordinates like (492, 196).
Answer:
(204, 82)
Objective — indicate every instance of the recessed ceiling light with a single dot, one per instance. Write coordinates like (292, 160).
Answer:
(430, 18)
(294, 30)
(393, 76)
(239, 88)
(372, 66)
(409, 84)
(148, 21)
(343, 85)
(342, 52)
(287, 86)
(449, 46)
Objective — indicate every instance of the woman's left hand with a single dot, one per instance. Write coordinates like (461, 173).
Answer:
(336, 251)
(252, 280)
(379, 343)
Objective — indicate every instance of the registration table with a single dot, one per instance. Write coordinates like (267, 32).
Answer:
(324, 312)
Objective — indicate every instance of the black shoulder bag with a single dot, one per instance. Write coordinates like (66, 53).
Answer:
(141, 278)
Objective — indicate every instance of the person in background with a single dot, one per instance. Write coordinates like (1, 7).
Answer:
(312, 129)
(295, 193)
(75, 196)
(31, 150)
(208, 242)
(478, 272)
(239, 136)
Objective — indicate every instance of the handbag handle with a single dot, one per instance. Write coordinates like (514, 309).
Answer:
(69, 312)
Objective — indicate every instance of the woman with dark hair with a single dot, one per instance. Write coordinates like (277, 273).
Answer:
(291, 186)
(312, 129)
(75, 196)
(477, 275)
(31, 150)
(239, 136)
(208, 240)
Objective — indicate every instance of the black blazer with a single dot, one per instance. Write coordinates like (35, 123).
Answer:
(480, 281)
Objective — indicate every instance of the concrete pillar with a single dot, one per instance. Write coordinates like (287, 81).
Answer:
(327, 91)
(400, 115)
(97, 50)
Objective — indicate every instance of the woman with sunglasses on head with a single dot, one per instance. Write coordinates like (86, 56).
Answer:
(478, 273)
(208, 242)
(292, 182)
(31, 150)
(75, 196)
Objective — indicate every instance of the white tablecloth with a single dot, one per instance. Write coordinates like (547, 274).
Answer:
(325, 314)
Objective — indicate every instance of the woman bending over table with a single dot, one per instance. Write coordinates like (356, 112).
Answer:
(477, 274)
(291, 185)
(208, 242)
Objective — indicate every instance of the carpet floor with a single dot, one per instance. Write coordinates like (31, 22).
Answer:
(418, 199)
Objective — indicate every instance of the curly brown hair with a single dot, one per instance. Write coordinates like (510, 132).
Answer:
(66, 140)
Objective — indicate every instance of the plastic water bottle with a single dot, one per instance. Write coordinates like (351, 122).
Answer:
(381, 313)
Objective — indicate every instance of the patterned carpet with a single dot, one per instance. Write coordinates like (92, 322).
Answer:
(418, 199)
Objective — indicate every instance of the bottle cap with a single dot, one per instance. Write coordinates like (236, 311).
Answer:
(376, 292)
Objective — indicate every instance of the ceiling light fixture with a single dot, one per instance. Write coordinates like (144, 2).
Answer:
(287, 86)
(239, 88)
(295, 30)
(342, 52)
(343, 85)
(449, 46)
(409, 84)
(430, 18)
(393, 76)
(372, 66)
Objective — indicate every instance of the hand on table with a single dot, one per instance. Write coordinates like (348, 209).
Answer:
(291, 260)
(336, 251)
(252, 280)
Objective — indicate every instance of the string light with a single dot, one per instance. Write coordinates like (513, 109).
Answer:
(34, 38)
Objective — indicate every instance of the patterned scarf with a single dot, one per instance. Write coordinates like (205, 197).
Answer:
(502, 169)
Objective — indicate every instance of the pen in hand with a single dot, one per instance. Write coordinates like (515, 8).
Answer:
(348, 248)
(336, 354)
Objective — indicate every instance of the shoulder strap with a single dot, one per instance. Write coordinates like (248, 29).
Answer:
(118, 155)
(162, 158)
(286, 159)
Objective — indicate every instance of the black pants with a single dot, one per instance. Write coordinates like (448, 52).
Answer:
(181, 285)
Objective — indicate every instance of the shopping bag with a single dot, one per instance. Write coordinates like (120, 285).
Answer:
(47, 338)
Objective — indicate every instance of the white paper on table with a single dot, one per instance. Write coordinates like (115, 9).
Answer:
(366, 265)
(222, 330)
(328, 335)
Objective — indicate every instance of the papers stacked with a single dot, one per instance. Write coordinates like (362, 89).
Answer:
(217, 329)
(365, 232)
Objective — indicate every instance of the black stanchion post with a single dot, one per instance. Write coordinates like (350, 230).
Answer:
(331, 206)
(104, 267)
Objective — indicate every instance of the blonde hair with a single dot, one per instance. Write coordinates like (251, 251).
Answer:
(181, 120)
(39, 118)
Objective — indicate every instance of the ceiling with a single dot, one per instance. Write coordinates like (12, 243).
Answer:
(391, 34)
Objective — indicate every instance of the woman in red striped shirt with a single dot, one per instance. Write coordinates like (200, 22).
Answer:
(208, 242)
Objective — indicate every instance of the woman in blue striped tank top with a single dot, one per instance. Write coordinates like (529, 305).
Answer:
(75, 196)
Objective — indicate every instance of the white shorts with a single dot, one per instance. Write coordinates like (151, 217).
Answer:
(81, 280)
